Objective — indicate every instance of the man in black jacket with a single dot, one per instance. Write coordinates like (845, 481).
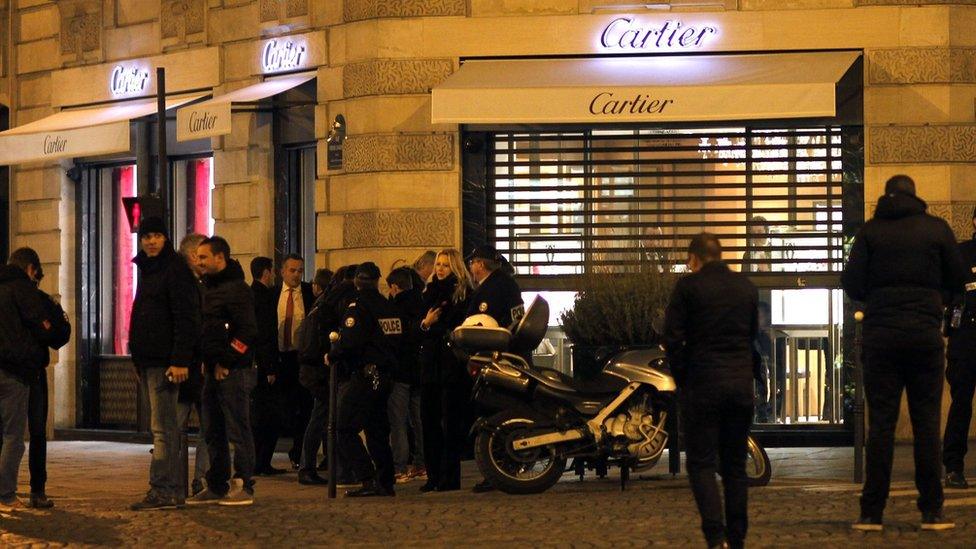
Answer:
(961, 372)
(191, 390)
(266, 398)
(403, 407)
(293, 300)
(709, 328)
(227, 341)
(163, 334)
(28, 327)
(366, 352)
(903, 265)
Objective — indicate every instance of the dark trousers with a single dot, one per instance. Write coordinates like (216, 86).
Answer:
(315, 433)
(961, 375)
(37, 426)
(266, 419)
(227, 420)
(431, 417)
(888, 371)
(716, 418)
(13, 411)
(296, 403)
(363, 408)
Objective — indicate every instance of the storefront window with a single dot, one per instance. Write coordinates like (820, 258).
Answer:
(193, 202)
(609, 200)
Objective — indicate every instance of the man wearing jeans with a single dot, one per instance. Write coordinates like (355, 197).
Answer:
(26, 332)
(228, 335)
(163, 333)
(403, 407)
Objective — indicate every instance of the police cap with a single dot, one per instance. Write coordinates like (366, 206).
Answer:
(485, 252)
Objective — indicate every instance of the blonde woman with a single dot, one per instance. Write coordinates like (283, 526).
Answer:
(445, 386)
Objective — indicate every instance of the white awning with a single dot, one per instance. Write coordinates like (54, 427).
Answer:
(78, 132)
(648, 89)
(211, 118)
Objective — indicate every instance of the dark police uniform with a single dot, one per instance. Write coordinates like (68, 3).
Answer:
(710, 325)
(961, 371)
(499, 297)
(369, 339)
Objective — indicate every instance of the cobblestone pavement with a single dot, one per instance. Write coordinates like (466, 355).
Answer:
(809, 503)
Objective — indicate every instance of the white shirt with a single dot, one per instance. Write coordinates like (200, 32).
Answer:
(298, 314)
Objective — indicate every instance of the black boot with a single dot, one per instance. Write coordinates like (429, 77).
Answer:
(370, 488)
(310, 478)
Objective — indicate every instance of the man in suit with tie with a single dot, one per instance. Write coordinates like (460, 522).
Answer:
(294, 300)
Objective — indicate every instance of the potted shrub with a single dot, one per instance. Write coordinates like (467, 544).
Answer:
(616, 310)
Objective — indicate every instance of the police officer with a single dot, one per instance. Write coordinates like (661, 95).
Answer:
(369, 339)
(496, 295)
(961, 372)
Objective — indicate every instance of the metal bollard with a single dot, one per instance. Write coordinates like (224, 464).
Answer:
(330, 446)
(858, 401)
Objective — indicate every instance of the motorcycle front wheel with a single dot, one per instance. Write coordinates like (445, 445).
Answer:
(758, 467)
(530, 471)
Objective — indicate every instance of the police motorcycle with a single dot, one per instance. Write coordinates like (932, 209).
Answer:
(546, 417)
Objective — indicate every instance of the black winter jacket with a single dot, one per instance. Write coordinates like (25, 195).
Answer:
(27, 326)
(229, 328)
(164, 326)
(437, 361)
(266, 317)
(410, 306)
(962, 340)
(904, 265)
(710, 325)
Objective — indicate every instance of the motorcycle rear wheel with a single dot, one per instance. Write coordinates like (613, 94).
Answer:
(524, 472)
(758, 467)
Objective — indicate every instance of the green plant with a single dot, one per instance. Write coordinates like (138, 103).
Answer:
(619, 308)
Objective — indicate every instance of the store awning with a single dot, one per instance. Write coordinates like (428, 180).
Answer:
(211, 118)
(648, 89)
(78, 132)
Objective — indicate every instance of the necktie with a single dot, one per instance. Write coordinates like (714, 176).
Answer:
(289, 317)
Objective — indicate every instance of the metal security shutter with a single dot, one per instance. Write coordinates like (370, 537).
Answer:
(563, 203)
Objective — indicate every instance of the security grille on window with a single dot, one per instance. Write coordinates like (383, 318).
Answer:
(610, 200)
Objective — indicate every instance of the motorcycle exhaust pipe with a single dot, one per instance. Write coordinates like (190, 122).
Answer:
(514, 382)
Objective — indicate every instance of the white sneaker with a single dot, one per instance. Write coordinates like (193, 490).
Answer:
(237, 495)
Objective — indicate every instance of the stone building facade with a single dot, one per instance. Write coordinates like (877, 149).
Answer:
(398, 191)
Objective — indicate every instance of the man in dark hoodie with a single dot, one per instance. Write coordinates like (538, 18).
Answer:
(227, 340)
(163, 334)
(961, 372)
(904, 264)
(403, 407)
(28, 327)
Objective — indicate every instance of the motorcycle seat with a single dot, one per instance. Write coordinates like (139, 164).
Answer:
(600, 386)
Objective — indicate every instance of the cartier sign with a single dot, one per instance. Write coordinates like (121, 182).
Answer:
(282, 55)
(631, 34)
(126, 80)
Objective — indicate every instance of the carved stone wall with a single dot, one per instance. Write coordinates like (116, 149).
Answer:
(921, 65)
(386, 76)
(276, 10)
(179, 18)
(357, 10)
(409, 228)
(404, 152)
(81, 27)
(921, 144)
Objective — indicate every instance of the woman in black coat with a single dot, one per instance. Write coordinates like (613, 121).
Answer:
(445, 386)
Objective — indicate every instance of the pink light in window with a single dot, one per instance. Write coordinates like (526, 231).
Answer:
(125, 250)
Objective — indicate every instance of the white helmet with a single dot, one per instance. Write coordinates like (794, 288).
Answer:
(480, 320)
